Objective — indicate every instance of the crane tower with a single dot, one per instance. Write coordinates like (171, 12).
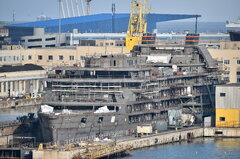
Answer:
(137, 23)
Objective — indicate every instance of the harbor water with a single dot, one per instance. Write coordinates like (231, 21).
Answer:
(180, 27)
(202, 148)
(12, 114)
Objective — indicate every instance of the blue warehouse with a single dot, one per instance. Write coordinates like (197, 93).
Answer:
(98, 23)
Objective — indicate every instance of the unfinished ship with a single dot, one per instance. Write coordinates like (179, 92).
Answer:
(113, 94)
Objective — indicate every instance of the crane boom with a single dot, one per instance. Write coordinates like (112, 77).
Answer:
(137, 23)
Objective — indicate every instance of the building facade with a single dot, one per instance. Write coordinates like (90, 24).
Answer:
(228, 56)
(19, 81)
(49, 57)
(228, 105)
(41, 40)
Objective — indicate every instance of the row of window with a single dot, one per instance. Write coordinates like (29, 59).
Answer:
(9, 58)
(84, 120)
(60, 57)
(37, 40)
(107, 44)
(227, 62)
(50, 57)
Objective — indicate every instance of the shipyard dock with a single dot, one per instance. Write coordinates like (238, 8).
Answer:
(136, 143)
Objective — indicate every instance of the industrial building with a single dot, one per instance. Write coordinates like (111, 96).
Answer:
(18, 81)
(52, 57)
(228, 105)
(228, 57)
(41, 40)
(98, 23)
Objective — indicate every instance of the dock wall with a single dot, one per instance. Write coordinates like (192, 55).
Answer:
(164, 138)
(20, 103)
(151, 140)
(7, 129)
(221, 132)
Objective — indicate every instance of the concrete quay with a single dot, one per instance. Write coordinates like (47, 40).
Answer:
(147, 141)
(7, 130)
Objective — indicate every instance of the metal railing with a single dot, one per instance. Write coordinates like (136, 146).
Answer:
(228, 124)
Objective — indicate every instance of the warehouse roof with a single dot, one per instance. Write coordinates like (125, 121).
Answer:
(26, 67)
(100, 17)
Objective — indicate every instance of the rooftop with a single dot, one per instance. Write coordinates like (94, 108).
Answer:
(230, 85)
(101, 17)
(26, 67)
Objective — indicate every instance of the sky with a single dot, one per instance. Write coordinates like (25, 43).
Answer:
(211, 10)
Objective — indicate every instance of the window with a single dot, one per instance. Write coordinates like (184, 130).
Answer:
(111, 44)
(60, 57)
(39, 57)
(71, 57)
(34, 40)
(113, 63)
(23, 57)
(226, 62)
(0, 58)
(222, 94)
(0, 87)
(84, 120)
(53, 45)
(50, 57)
(101, 43)
(50, 39)
(238, 77)
(82, 58)
(100, 119)
(222, 118)
(29, 57)
(218, 132)
(238, 61)
(130, 62)
(107, 44)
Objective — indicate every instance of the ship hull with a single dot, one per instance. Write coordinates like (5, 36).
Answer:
(65, 128)
(234, 35)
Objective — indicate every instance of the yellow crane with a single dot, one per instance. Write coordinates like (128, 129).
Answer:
(137, 23)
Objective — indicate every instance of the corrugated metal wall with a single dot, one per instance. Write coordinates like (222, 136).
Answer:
(100, 23)
(231, 100)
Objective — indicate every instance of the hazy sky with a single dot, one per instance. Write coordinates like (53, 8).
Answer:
(211, 10)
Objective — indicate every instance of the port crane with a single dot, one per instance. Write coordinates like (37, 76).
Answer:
(137, 23)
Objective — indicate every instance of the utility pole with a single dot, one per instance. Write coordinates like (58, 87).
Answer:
(59, 23)
(88, 6)
(196, 24)
(13, 16)
(113, 17)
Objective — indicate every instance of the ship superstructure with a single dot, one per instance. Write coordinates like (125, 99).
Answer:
(234, 30)
(114, 94)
